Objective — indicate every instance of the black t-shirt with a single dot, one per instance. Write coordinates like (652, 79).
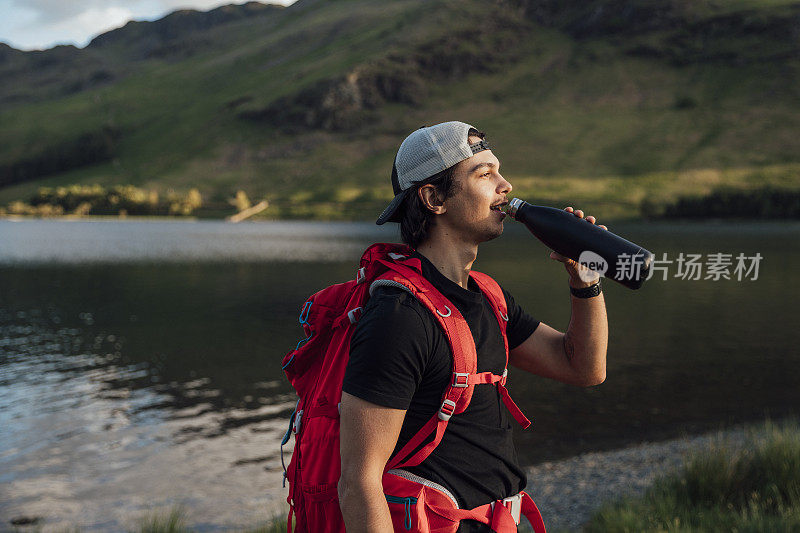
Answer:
(399, 358)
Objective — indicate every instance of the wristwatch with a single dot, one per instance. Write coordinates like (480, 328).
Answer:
(587, 292)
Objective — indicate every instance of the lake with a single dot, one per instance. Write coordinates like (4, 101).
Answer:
(140, 360)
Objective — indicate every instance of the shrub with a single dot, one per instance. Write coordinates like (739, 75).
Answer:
(763, 202)
(96, 200)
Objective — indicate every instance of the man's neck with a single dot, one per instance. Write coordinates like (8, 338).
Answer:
(453, 259)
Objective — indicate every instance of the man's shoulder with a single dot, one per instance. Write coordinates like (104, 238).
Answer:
(389, 300)
(393, 308)
(393, 321)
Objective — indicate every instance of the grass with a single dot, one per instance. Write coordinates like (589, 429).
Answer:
(174, 521)
(750, 488)
(571, 120)
(170, 522)
(610, 197)
(615, 198)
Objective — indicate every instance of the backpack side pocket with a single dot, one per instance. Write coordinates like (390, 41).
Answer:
(411, 499)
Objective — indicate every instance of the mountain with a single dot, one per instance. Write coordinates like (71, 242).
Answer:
(64, 70)
(604, 101)
(179, 34)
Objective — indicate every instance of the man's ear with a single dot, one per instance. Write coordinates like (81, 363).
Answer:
(431, 199)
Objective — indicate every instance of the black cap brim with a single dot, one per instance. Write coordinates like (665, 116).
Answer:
(392, 212)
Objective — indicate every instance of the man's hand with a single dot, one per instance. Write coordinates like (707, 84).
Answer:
(579, 355)
(579, 275)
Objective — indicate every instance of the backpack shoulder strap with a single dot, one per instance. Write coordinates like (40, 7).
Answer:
(497, 299)
(490, 288)
(446, 315)
(458, 393)
(493, 292)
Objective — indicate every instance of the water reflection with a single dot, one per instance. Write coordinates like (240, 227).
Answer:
(92, 437)
(113, 241)
(130, 385)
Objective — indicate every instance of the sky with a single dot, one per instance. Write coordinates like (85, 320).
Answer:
(41, 24)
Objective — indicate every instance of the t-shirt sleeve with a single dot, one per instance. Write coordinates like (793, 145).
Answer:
(521, 325)
(388, 351)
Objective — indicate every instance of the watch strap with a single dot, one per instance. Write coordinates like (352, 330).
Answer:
(587, 292)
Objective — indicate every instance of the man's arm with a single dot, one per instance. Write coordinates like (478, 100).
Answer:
(578, 356)
(368, 434)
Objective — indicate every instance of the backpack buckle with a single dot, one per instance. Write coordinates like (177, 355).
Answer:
(460, 380)
(297, 422)
(396, 257)
(361, 275)
(504, 377)
(513, 504)
(447, 409)
(354, 315)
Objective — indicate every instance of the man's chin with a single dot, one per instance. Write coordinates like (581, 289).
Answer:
(493, 233)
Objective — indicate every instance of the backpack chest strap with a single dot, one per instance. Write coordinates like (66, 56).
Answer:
(465, 379)
(488, 378)
(512, 407)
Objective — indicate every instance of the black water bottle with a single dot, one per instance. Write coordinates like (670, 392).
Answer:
(599, 249)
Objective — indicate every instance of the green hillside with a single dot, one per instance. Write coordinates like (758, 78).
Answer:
(604, 103)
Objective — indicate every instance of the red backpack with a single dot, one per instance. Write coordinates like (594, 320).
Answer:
(316, 369)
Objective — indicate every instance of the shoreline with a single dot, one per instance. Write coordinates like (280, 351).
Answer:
(568, 491)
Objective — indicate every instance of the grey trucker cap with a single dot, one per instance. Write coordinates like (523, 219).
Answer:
(424, 153)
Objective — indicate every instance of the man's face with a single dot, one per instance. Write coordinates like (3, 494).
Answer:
(472, 213)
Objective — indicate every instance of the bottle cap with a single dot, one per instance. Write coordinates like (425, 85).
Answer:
(512, 206)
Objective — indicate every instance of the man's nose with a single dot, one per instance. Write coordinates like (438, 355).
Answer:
(504, 187)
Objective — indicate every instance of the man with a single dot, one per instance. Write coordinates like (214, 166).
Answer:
(448, 190)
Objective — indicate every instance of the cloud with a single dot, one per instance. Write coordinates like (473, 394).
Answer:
(49, 11)
(37, 24)
(90, 22)
(34, 31)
